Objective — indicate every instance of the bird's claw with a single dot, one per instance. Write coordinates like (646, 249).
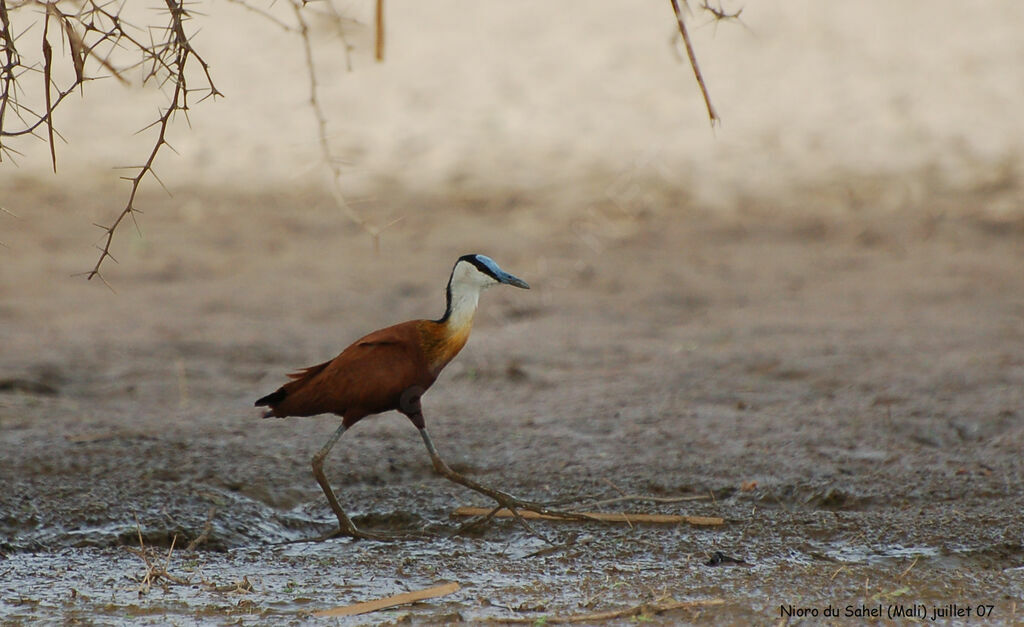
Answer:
(512, 503)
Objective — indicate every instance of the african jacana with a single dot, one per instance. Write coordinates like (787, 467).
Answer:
(390, 369)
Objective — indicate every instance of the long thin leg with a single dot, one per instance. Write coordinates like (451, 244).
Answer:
(345, 525)
(503, 498)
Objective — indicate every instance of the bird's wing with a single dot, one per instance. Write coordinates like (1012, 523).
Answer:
(393, 335)
(367, 378)
(308, 372)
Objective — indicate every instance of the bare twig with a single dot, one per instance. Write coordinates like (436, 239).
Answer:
(101, 43)
(652, 499)
(180, 49)
(154, 572)
(242, 586)
(378, 48)
(483, 517)
(392, 601)
(338, 21)
(47, 81)
(94, 30)
(102, 34)
(719, 13)
(80, 50)
(477, 523)
(909, 568)
(521, 519)
(693, 63)
(205, 534)
(267, 15)
(597, 501)
(621, 492)
(8, 71)
(612, 485)
(321, 121)
(595, 516)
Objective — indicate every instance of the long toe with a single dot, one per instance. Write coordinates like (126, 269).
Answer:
(540, 508)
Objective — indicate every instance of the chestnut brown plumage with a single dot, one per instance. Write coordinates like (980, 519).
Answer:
(390, 369)
(368, 377)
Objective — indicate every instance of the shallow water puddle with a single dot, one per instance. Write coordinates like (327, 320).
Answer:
(874, 554)
(99, 574)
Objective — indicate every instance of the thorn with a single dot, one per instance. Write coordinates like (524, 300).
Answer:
(96, 273)
(150, 125)
(105, 253)
(153, 173)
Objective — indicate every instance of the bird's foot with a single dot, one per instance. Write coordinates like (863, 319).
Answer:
(516, 506)
(504, 499)
(543, 509)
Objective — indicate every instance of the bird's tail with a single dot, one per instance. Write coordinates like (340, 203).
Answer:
(298, 381)
(270, 400)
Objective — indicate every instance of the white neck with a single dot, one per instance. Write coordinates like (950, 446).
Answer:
(465, 297)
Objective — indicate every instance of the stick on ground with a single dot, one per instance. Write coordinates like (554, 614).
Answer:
(392, 601)
(665, 519)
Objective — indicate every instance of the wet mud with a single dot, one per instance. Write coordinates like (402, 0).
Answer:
(845, 393)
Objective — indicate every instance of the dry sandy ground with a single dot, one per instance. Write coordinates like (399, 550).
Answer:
(814, 318)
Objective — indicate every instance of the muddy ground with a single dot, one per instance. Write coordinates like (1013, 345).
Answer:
(808, 322)
(844, 392)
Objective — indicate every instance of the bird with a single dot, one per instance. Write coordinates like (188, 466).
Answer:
(391, 369)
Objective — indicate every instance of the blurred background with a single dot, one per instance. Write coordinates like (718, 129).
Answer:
(532, 96)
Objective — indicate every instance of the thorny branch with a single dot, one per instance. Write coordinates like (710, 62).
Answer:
(97, 41)
(330, 162)
(330, 13)
(100, 40)
(719, 13)
(172, 56)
